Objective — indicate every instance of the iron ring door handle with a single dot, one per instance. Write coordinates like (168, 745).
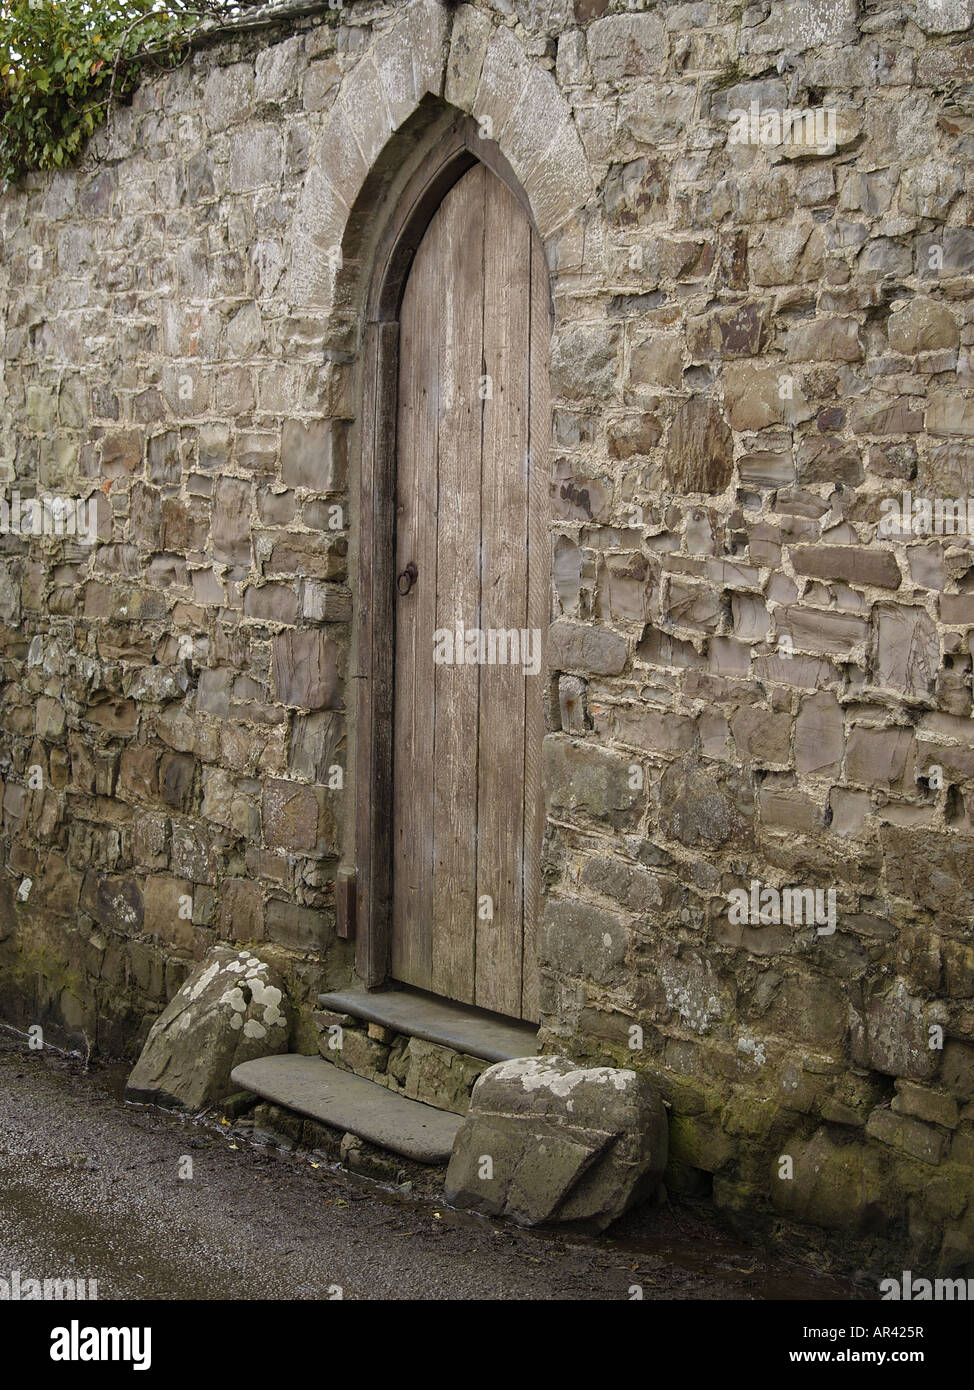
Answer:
(407, 578)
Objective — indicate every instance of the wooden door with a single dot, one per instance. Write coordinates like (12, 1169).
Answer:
(471, 515)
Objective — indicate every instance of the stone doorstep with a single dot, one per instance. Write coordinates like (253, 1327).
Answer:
(460, 1026)
(346, 1102)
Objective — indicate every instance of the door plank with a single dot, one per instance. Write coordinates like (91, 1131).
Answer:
(504, 502)
(460, 314)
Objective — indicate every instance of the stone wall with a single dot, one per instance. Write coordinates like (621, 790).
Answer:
(761, 337)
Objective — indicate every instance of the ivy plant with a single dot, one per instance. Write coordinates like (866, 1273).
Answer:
(63, 62)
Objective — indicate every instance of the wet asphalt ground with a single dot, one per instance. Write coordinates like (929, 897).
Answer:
(91, 1187)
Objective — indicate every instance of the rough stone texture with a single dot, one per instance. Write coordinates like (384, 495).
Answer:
(230, 1010)
(430, 1072)
(756, 346)
(547, 1141)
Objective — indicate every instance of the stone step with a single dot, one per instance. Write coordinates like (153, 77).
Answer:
(314, 1088)
(459, 1026)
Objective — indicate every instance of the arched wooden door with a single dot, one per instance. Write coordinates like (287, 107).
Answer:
(471, 518)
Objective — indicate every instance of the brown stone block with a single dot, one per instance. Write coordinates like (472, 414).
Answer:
(589, 650)
(703, 807)
(169, 910)
(117, 716)
(693, 605)
(816, 631)
(907, 649)
(300, 928)
(295, 817)
(139, 772)
(306, 674)
(853, 564)
(652, 730)
(762, 737)
(114, 902)
(121, 453)
(176, 772)
(231, 525)
(957, 609)
(314, 454)
(295, 553)
(276, 603)
(880, 756)
(931, 869)
(784, 807)
(636, 434)
(819, 736)
(700, 453)
(240, 915)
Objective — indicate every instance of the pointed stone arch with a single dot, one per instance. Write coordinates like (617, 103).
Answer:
(390, 107)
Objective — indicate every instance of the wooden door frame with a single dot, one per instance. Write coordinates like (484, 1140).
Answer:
(365, 886)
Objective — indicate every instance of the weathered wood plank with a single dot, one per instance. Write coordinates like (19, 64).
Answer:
(504, 503)
(460, 314)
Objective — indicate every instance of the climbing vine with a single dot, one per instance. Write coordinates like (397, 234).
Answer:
(63, 62)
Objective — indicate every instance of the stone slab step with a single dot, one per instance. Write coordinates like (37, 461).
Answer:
(316, 1089)
(459, 1026)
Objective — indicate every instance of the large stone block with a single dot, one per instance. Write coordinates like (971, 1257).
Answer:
(313, 454)
(587, 943)
(626, 46)
(232, 500)
(700, 807)
(230, 1010)
(818, 631)
(907, 649)
(589, 650)
(819, 734)
(584, 359)
(581, 778)
(855, 564)
(879, 756)
(468, 48)
(923, 325)
(294, 817)
(931, 869)
(897, 1034)
(943, 16)
(796, 25)
(832, 1183)
(306, 670)
(545, 1140)
(169, 910)
(700, 457)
